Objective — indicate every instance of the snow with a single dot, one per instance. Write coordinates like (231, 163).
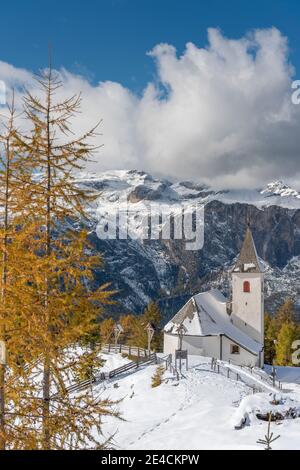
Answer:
(248, 266)
(281, 189)
(112, 361)
(211, 318)
(286, 374)
(198, 412)
(261, 402)
(116, 186)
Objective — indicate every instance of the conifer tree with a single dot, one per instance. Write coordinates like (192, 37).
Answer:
(57, 264)
(14, 198)
(135, 328)
(270, 338)
(131, 329)
(285, 314)
(106, 330)
(152, 315)
(288, 333)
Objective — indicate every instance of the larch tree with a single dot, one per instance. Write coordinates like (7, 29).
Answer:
(135, 327)
(58, 267)
(288, 333)
(131, 329)
(106, 329)
(285, 314)
(14, 200)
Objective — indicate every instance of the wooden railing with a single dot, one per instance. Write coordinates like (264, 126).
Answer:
(167, 360)
(124, 348)
(133, 365)
(84, 384)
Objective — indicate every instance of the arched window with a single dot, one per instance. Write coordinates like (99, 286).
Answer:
(246, 286)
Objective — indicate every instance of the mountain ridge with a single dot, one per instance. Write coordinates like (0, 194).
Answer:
(163, 270)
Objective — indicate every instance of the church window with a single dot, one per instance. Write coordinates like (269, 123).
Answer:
(246, 286)
(234, 349)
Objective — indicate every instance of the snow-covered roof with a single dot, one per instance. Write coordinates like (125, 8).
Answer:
(205, 314)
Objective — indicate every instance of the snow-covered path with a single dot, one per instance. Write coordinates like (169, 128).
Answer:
(204, 413)
(198, 412)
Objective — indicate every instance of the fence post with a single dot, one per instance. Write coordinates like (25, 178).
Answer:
(227, 373)
(109, 347)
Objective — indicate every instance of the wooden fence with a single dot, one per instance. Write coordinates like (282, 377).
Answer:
(123, 348)
(84, 384)
(230, 373)
(269, 379)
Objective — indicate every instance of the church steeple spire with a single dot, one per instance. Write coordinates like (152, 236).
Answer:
(248, 260)
(248, 292)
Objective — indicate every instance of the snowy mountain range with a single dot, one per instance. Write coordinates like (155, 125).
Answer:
(164, 270)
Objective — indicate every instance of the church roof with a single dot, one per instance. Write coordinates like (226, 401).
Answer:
(248, 260)
(205, 314)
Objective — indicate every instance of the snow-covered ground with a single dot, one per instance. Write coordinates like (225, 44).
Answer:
(198, 412)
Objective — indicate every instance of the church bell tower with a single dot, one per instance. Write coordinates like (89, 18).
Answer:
(248, 291)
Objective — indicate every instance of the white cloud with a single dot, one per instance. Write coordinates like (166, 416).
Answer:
(221, 114)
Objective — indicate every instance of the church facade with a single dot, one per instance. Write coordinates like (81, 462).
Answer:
(225, 329)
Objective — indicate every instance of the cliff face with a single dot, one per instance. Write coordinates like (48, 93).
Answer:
(164, 270)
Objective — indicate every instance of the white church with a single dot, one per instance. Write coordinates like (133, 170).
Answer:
(227, 330)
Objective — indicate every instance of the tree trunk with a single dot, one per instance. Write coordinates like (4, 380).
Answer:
(3, 292)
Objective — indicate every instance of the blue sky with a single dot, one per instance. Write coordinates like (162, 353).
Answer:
(108, 39)
(218, 111)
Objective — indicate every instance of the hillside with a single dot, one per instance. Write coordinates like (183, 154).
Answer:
(164, 270)
(198, 412)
